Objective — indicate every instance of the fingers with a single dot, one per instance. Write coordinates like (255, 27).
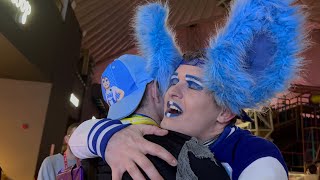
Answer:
(148, 129)
(134, 171)
(144, 163)
(131, 150)
(116, 175)
(157, 150)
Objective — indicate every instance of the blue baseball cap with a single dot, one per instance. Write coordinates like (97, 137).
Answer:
(123, 83)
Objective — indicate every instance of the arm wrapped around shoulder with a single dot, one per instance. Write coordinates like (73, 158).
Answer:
(195, 161)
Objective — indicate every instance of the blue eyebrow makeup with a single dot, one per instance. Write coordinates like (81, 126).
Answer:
(194, 82)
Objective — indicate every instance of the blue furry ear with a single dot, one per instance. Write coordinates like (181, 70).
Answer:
(256, 54)
(156, 42)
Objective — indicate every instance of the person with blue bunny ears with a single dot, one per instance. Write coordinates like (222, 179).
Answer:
(252, 58)
(142, 104)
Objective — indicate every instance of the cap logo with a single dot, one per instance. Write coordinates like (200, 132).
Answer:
(116, 83)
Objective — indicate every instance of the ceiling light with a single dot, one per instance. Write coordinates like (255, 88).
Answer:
(74, 100)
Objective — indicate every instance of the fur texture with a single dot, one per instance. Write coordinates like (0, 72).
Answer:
(255, 55)
(156, 43)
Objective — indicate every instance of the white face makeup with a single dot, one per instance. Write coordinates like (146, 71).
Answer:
(193, 82)
(190, 108)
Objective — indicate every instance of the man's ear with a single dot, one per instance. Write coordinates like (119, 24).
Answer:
(155, 91)
(225, 116)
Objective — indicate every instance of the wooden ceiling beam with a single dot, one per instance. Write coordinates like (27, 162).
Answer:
(105, 27)
(174, 11)
(109, 52)
(104, 12)
(82, 6)
(122, 42)
(182, 13)
(113, 56)
(194, 7)
(109, 40)
(197, 14)
(95, 11)
(208, 10)
(107, 31)
(102, 21)
(106, 46)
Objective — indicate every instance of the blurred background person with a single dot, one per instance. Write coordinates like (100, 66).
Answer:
(51, 165)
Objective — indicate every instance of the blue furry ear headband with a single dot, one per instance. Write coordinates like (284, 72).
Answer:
(156, 43)
(255, 55)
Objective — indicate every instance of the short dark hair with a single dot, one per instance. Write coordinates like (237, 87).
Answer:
(198, 54)
(194, 58)
(144, 100)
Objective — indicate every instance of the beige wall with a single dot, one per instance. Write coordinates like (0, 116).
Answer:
(21, 102)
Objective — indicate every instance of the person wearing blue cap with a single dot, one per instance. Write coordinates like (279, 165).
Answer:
(250, 60)
(134, 99)
(140, 103)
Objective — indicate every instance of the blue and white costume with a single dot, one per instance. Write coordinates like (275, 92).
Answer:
(250, 60)
(244, 156)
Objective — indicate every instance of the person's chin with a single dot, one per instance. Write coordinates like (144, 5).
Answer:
(164, 123)
(169, 124)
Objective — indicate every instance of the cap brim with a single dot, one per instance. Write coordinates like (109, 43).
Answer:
(127, 105)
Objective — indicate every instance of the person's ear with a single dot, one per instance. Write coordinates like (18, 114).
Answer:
(225, 116)
(155, 92)
(66, 139)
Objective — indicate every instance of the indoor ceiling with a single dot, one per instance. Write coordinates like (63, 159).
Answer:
(106, 23)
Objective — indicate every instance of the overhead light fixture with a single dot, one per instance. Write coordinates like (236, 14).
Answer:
(74, 100)
(24, 9)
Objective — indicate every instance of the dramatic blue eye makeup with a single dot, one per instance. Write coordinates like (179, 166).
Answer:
(174, 79)
(194, 82)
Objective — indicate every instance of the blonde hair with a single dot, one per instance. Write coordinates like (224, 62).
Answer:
(69, 131)
(70, 128)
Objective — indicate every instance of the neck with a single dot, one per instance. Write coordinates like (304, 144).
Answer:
(149, 112)
(213, 133)
(69, 154)
(210, 141)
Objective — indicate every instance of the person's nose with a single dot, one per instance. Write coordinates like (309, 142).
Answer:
(176, 91)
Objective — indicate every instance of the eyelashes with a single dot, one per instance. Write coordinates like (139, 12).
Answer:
(194, 85)
(194, 82)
